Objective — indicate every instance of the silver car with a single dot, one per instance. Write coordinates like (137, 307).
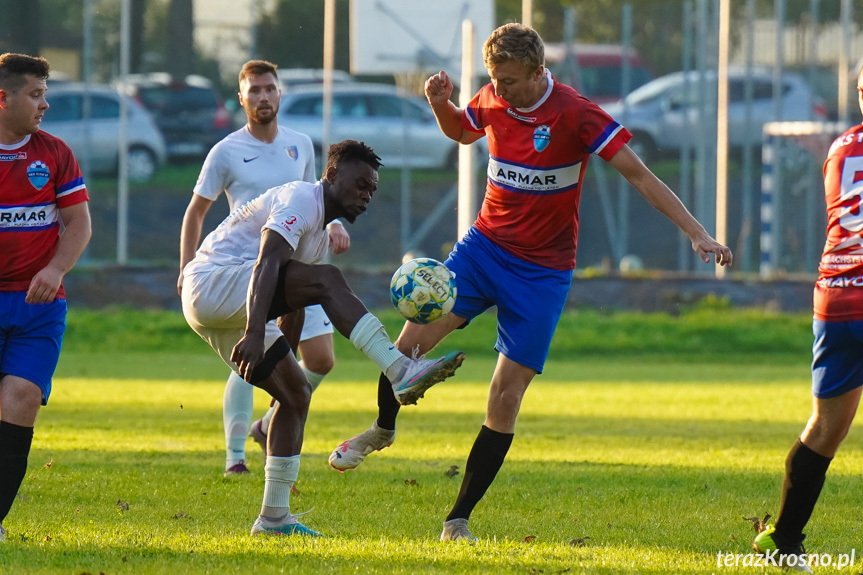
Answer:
(64, 119)
(662, 114)
(400, 127)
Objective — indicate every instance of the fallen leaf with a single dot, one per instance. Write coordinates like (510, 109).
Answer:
(49, 464)
(452, 471)
(47, 538)
(181, 406)
(580, 542)
(180, 515)
(411, 482)
(529, 539)
(759, 524)
(294, 490)
(123, 505)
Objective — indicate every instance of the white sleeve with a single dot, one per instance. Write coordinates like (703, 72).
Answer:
(309, 171)
(290, 218)
(212, 180)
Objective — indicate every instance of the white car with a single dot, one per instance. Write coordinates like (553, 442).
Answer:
(64, 119)
(400, 127)
(662, 116)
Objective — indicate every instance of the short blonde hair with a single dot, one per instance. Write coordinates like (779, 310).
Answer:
(514, 42)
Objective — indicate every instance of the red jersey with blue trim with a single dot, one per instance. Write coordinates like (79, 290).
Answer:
(839, 290)
(537, 162)
(38, 177)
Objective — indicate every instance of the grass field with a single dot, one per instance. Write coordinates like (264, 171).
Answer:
(640, 450)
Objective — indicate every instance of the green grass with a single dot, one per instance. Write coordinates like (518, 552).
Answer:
(650, 457)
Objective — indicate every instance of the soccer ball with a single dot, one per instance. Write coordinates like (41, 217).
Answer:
(423, 290)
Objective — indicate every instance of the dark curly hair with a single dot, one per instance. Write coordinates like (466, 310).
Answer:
(351, 150)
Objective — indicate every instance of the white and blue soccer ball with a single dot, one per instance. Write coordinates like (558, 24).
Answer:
(423, 290)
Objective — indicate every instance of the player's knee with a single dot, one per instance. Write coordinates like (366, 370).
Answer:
(321, 364)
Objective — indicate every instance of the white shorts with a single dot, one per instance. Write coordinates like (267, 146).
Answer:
(316, 323)
(214, 303)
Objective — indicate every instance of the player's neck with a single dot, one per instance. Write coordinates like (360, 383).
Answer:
(264, 132)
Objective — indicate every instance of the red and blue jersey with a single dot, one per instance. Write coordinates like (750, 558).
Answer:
(839, 290)
(38, 177)
(537, 162)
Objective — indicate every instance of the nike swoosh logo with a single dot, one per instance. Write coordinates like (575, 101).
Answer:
(326, 323)
(247, 160)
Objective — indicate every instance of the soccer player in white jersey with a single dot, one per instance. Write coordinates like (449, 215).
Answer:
(258, 156)
(254, 268)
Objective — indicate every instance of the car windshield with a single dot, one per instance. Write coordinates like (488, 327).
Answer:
(652, 90)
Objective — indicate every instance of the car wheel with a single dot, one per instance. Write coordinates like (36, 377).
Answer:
(142, 164)
(643, 146)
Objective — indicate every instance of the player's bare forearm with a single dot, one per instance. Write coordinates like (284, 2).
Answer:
(78, 229)
(667, 203)
(190, 232)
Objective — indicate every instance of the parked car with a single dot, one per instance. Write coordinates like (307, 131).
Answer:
(662, 116)
(291, 78)
(190, 113)
(600, 69)
(65, 119)
(400, 127)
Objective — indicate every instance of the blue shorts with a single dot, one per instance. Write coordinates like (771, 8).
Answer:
(837, 357)
(529, 297)
(30, 339)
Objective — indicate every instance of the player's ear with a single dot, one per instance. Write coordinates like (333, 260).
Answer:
(330, 173)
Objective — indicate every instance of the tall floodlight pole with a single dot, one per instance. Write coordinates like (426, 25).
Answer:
(527, 12)
(466, 154)
(845, 16)
(123, 170)
(329, 63)
(722, 130)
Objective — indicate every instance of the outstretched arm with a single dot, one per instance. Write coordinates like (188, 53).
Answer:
(275, 252)
(438, 89)
(663, 199)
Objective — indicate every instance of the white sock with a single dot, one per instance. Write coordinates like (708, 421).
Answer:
(265, 421)
(280, 474)
(370, 337)
(237, 416)
(315, 379)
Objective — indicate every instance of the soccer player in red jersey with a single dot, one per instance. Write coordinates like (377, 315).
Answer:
(40, 188)
(837, 362)
(520, 252)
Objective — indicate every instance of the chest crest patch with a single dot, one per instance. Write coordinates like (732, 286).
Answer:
(541, 137)
(38, 174)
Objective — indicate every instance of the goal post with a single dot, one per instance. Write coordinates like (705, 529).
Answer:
(793, 218)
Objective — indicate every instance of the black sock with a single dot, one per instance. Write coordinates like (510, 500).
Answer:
(805, 471)
(483, 463)
(14, 448)
(388, 405)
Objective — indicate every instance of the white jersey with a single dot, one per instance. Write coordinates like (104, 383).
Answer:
(244, 167)
(294, 210)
